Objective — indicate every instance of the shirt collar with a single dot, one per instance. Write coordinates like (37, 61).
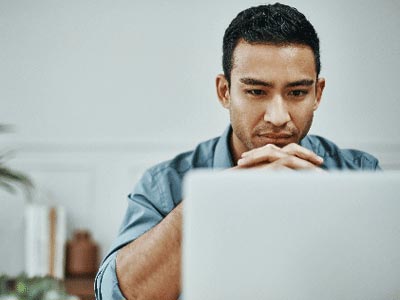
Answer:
(222, 153)
(306, 143)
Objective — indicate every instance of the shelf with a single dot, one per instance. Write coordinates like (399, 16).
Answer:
(83, 287)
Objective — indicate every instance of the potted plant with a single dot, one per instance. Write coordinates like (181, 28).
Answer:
(22, 287)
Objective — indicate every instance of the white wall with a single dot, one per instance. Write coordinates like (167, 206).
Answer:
(100, 90)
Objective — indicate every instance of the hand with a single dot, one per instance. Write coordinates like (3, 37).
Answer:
(292, 156)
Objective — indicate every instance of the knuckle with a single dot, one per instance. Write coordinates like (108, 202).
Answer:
(290, 159)
(290, 146)
(268, 149)
(269, 146)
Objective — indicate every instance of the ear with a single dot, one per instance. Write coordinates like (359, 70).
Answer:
(319, 90)
(222, 86)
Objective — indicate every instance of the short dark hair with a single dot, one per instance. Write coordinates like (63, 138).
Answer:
(277, 24)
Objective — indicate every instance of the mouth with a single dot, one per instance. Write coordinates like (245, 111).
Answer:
(276, 135)
(278, 139)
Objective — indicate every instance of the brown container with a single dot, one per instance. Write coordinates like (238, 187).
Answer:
(82, 255)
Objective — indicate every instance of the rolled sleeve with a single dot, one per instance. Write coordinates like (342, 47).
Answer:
(106, 283)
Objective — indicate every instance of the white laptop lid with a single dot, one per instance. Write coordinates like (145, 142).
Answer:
(257, 235)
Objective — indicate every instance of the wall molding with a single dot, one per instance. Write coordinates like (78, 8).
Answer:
(37, 145)
(386, 152)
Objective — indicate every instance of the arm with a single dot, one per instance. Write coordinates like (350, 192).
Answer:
(150, 266)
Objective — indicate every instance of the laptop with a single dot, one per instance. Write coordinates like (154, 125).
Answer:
(291, 235)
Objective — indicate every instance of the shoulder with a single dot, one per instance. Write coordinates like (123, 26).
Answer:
(201, 157)
(337, 158)
(162, 183)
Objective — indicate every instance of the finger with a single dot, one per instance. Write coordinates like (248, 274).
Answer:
(287, 163)
(296, 163)
(251, 152)
(267, 153)
(304, 153)
(292, 162)
(274, 166)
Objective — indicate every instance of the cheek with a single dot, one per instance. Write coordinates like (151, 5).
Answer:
(302, 114)
(249, 114)
(247, 108)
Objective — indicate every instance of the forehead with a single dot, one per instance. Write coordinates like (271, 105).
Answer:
(273, 62)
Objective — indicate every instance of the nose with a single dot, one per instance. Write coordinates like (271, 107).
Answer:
(276, 112)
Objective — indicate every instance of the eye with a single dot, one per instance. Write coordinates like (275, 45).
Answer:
(255, 92)
(298, 93)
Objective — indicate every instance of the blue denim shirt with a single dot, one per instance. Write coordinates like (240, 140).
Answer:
(160, 190)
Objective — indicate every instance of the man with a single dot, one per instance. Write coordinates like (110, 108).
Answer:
(271, 87)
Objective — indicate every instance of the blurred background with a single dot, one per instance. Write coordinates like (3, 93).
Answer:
(98, 91)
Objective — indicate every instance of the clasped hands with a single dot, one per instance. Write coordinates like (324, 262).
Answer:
(291, 156)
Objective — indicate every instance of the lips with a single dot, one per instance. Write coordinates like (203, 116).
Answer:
(278, 139)
(276, 136)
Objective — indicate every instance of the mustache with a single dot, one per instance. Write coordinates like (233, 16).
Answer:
(267, 129)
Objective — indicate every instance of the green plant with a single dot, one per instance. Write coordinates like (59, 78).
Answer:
(8, 176)
(34, 288)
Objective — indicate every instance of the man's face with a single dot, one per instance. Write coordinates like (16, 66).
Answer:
(273, 94)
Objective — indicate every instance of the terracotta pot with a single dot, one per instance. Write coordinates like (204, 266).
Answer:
(82, 255)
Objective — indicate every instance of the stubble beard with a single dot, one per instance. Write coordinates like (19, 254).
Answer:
(246, 138)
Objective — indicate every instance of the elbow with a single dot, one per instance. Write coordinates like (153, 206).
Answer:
(106, 282)
(129, 286)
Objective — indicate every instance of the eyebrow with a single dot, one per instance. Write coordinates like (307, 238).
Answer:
(305, 82)
(253, 81)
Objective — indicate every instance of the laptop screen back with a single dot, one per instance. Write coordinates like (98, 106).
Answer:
(254, 235)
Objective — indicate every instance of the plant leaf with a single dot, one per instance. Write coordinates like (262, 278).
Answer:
(12, 175)
(8, 176)
(7, 186)
(6, 128)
